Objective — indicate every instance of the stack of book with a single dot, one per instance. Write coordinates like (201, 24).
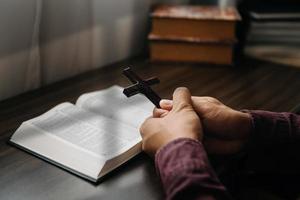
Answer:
(193, 34)
(276, 28)
(274, 36)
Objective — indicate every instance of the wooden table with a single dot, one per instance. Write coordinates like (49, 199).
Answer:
(253, 85)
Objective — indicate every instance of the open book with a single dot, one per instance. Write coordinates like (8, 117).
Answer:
(91, 138)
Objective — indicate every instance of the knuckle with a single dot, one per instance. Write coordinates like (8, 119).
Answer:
(183, 105)
(143, 128)
(155, 112)
(213, 100)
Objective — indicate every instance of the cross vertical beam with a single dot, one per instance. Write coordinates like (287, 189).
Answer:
(141, 86)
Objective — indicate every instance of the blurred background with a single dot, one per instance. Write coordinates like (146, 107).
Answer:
(44, 41)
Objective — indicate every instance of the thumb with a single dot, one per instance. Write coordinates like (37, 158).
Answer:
(181, 98)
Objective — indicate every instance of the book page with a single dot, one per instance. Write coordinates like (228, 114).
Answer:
(114, 104)
(95, 134)
(76, 139)
(34, 140)
(83, 138)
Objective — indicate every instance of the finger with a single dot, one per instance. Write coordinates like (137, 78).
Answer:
(166, 104)
(159, 112)
(181, 98)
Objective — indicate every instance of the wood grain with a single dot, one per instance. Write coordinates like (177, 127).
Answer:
(253, 85)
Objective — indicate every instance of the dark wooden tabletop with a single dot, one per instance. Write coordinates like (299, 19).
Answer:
(253, 85)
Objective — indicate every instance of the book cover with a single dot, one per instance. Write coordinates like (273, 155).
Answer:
(196, 12)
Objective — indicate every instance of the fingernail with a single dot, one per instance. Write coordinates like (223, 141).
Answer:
(166, 102)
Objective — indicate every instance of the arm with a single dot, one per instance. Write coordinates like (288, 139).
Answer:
(274, 142)
(271, 127)
(270, 140)
(186, 173)
(181, 160)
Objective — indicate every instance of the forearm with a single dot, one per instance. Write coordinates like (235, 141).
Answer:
(186, 173)
(274, 142)
(275, 127)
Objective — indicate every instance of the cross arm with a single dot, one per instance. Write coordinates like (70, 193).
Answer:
(141, 86)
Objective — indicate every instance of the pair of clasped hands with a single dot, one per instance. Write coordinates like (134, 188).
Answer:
(219, 128)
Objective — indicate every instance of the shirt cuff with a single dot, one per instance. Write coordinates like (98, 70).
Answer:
(269, 127)
(181, 158)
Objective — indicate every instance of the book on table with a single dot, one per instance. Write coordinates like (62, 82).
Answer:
(185, 33)
(191, 50)
(90, 138)
(202, 22)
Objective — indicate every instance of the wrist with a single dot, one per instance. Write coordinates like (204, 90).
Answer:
(175, 142)
(171, 139)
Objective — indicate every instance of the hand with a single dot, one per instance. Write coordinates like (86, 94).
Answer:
(179, 122)
(226, 130)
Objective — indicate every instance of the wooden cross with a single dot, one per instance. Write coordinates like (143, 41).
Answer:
(141, 86)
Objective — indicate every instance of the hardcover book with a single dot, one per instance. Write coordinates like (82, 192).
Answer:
(203, 34)
(191, 50)
(205, 22)
(90, 138)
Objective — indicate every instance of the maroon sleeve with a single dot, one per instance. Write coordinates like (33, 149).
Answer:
(274, 143)
(275, 127)
(186, 173)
